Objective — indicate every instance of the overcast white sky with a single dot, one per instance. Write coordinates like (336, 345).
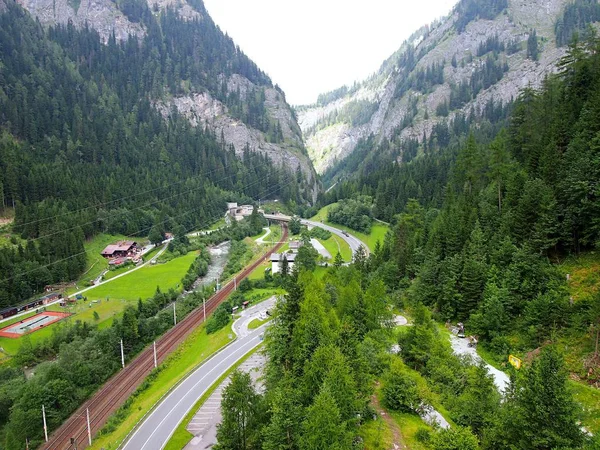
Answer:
(313, 46)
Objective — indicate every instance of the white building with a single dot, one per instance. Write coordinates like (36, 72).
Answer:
(239, 212)
(277, 261)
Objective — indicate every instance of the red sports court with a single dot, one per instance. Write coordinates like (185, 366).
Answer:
(31, 324)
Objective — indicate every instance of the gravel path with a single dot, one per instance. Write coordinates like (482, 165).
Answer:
(261, 240)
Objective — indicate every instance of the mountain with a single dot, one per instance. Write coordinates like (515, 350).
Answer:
(128, 118)
(469, 66)
(240, 109)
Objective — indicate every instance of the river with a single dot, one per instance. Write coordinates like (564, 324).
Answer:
(218, 259)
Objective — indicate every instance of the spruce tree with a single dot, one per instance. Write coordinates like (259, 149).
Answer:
(547, 413)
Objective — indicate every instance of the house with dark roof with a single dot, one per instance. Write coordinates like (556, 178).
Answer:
(120, 249)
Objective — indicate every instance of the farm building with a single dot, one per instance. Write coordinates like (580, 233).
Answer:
(277, 261)
(120, 249)
(50, 298)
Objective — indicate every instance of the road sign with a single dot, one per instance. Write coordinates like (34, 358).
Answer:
(515, 362)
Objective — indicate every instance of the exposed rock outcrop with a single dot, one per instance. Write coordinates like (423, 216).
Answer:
(439, 44)
(205, 111)
(102, 15)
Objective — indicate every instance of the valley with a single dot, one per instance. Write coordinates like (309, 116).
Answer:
(411, 261)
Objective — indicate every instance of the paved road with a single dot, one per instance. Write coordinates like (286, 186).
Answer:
(158, 427)
(261, 240)
(352, 241)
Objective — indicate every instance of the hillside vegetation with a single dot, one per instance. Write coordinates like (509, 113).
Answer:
(84, 148)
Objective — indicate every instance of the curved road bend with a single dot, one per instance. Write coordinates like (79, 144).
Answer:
(352, 241)
(158, 427)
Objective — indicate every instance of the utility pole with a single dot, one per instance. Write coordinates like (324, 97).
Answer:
(235, 284)
(174, 314)
(204, 307)
(122, 355)
(45, 426)
(87, 412)
(155, 362)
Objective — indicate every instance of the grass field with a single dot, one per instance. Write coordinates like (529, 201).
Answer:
(376, 435)
(335, 244)
(142, 283)
(378, 229)
(95, 262)
(219, 224)
(139, 284)
(197, 348)
(256, 323)
(584, 274)
(259, 272)
(410, 424)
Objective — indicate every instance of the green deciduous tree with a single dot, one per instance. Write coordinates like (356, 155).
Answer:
(455, 438)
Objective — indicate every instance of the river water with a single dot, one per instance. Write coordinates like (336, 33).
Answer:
(218, 260)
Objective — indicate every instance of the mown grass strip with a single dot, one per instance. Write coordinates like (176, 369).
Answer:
(195, 350)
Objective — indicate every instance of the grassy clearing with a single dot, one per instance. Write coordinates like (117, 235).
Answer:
(259, 272)
(584, 272)
(376, 435)
(197, 348)
(410, 425)
(589, 398)
(181, 436)
(142, 283)
(256, 323)
(113, 273)
(219, 224)
(335, 244)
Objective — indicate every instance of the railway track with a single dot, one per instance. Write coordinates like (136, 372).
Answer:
(73, 433)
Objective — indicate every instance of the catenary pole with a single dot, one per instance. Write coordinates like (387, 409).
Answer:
(155, 362)
(45, 426)
(89, 429)
(122, 355)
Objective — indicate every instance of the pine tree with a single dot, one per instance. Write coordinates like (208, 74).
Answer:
(547, 415)
(338, 261)
(532, 46)
(323, 427)
(240, 409)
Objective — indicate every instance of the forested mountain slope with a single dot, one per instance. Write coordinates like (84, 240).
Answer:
(465, 68)
(212, 82)
(88, 124)
(476, 236)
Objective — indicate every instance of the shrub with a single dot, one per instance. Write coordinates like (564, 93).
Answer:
(400, 390)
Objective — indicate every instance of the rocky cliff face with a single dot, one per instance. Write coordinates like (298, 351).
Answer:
(406, 107)
(102, 15)
(205, 111)
(200, 106)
